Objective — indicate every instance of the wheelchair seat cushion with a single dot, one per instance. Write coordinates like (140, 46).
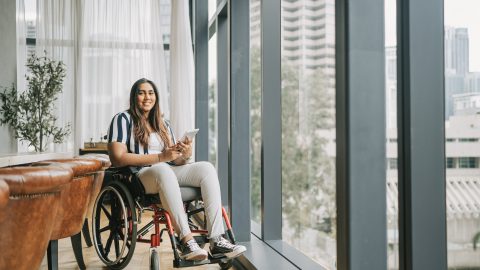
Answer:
(190, 193)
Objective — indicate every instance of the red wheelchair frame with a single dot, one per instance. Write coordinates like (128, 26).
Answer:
(120, 201)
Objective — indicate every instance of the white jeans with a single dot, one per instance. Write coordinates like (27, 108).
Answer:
(166, 180)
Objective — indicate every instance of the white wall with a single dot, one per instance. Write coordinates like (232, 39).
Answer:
(8, 64)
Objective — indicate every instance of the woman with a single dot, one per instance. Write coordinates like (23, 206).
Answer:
(141, 137)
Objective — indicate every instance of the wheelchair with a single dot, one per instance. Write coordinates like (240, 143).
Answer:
(118, 211)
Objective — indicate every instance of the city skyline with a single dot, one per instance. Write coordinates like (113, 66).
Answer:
(458, 14)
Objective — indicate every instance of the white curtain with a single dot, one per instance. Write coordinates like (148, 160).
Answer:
(108, 45)
(56, 34)
(121, 41)
(21, 56)
(182, 74)
(21, 45)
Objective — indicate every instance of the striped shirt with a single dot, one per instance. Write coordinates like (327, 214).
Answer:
(121, 130)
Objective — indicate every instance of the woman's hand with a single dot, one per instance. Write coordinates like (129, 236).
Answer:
(185, 148)
(169, 154)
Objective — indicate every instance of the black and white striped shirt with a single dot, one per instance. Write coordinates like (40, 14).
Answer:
(121, 130)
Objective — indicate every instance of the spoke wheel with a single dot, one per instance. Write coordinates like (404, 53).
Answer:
(114, 225)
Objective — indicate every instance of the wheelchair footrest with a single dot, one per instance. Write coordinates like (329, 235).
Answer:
(184, 263)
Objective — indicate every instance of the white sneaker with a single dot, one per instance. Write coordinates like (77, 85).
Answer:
(223, 247)
(191, 251)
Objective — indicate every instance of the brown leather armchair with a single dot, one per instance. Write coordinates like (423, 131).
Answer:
(29, 216)
(97, 186)
(75, 198)
(4, 193)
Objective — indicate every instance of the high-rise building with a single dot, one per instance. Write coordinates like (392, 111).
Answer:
(472, 82)
(31, 33)
(454, 85)
(308, 34)
(391, 85)
(456, 50)
(456, 66)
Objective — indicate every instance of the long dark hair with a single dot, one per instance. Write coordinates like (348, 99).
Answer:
(155, 116)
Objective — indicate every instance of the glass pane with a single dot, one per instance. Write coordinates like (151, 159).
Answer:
(255, 114)
(212, 100)
(31, 23)
(462, 132)
(165, 10)
(212, 7)
(308, 128)
(391, 110)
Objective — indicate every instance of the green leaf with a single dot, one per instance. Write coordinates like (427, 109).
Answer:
(31, 113)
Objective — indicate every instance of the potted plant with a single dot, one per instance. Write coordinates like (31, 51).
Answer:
(30, 113)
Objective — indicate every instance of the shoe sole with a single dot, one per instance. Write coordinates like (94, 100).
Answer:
(230, 255)
(199, 256)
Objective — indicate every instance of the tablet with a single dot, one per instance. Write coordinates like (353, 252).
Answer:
(189, 134)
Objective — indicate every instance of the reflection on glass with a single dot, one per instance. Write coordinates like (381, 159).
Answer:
(462, 132)
(212, 100)
(212, 7)
(308, 128)
(391, 113)
(255, 112)
(165, 10)
(31, 23)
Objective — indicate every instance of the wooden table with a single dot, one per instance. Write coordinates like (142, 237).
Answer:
(83, 151)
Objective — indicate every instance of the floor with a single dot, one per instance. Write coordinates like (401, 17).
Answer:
(140, 259)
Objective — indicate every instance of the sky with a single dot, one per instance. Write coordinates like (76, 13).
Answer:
(458, 13)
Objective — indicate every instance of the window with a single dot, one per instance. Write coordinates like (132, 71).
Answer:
(393, 163)
(314, 8)
(255, 120)
(451, 163)
(292, 38)
(291, 28)
(315, 18)
(31, 24)
(316, 47)
(212, 8)
(467, 162)
(212, 100)
(314, 27)
(290, 9)
(461, 49)
(467, 139)
(291, 48)
(308, 147)
(315, 37)
(291, 19)
(392, 140)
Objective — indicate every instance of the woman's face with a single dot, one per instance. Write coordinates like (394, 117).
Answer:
(146, 97)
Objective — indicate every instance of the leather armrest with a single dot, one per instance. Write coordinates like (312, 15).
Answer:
(34, 180)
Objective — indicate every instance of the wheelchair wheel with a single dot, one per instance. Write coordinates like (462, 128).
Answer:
(114, 225)
(154, 260)
(226, 265)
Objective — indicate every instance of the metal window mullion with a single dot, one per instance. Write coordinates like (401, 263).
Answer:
(239, 193)
(271, 181)
(421, 133)
(201, 78)
(223, 104)
(361, 133)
